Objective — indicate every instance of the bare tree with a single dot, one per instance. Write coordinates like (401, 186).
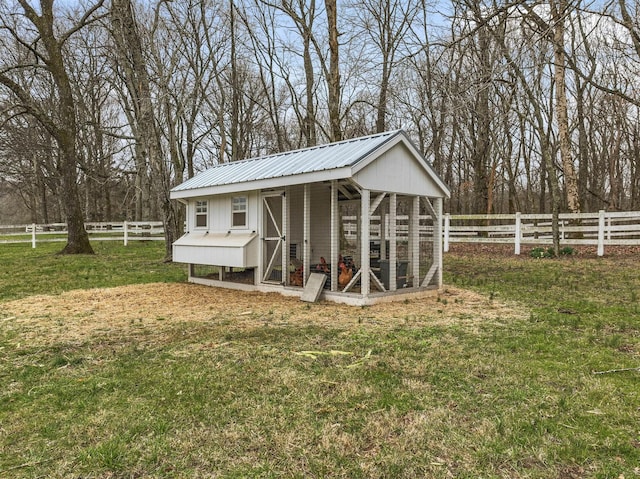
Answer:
(386, 24)
(559, 10)
(333, 74)
(40, 32)
(131, 58)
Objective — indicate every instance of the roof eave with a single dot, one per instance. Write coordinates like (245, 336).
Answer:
(268, 183)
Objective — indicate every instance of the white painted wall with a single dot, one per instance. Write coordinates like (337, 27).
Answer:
(219, 213)
(398, 171)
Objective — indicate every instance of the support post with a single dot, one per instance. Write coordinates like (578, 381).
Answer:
(393, 242)
(306, 248)
(517, 233)
(447, 226)
(335, 235)
(125, 227)
(384, 228)
(414, 242)
(33, 235)
(437, 239)
(285, 240)
(365, 267)
(601, 233)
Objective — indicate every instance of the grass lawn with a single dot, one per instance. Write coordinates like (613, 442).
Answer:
(25, 271)
(511, 397)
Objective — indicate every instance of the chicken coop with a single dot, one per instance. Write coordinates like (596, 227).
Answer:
(364, 213)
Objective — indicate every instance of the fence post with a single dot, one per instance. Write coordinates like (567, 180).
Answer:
(601, 233)
(447, 223)
(126, 233)
(517, 234)
(609, 228)
(33, 235)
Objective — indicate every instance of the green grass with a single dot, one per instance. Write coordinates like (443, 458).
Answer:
(26, 271)
(516, 398)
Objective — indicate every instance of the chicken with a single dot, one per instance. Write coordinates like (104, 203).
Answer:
(296, 278)
(296, 272)
(323, 266)
(345, 275)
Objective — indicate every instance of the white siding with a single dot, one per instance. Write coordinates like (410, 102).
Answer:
(398, 171)
(219, 213)
(217, 249)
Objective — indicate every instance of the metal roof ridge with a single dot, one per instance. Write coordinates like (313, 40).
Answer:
(389, 133)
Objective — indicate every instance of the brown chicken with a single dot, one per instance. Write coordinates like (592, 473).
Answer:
(296, 277)
(323, 266)
(345, 275)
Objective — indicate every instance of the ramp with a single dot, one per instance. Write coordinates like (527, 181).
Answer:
(314, 286)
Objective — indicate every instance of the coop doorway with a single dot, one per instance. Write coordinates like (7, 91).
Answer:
(273, 240)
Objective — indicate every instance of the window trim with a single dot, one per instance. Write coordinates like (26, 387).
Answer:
(244, 211)
(199, 213)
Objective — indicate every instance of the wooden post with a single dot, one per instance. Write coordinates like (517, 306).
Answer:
(125, 226)
(393, 242)
(335, 235)
(447, 226)
(33, 235)
(437, 239)
(517, 234)
(285, 240)
(601, 233)
(365, 267)
(414, 242)
(384, 226)
(306, 249)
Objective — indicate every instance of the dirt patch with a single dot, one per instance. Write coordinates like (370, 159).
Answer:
(154, 309)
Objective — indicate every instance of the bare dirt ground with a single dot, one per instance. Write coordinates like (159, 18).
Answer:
(153, 310)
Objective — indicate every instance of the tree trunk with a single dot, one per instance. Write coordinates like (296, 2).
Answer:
(482, 139)
(130, 55)
(558, 10)
(310, 117)
(333, 81)
(61, 125)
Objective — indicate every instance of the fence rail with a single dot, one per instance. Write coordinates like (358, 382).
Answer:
(599, 229)
(124, 231)
(596, 229)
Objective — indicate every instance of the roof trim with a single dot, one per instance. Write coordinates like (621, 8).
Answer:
(278, 182)
(306, 165)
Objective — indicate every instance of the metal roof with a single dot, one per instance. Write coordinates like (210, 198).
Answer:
(308, 160)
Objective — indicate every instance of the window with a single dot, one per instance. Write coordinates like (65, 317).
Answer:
(201, 214)
(239, 211)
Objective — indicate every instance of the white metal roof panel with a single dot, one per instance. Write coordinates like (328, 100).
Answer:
(297, 162)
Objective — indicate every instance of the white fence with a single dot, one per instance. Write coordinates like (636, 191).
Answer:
(596, 229)
(599, 229)
(124, 231)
